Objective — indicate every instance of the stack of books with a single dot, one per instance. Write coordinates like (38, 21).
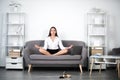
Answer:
(14, 53)
(97, 50)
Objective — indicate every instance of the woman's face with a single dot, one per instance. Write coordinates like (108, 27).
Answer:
(53, 31)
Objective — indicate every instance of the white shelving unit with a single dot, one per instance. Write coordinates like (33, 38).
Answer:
(0, 43)
(97, 34)
(15, 36)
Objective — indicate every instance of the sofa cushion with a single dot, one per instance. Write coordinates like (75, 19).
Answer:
(61, 57)
(76, 50)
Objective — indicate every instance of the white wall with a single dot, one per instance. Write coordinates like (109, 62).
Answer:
(2, 55)
(0, 33)
(68, 16)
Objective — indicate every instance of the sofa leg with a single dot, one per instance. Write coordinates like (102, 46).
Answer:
(80, 66)
(29, 67)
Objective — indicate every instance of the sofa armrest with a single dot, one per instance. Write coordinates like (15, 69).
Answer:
(26, 55)
(84, 56)
(115, 51)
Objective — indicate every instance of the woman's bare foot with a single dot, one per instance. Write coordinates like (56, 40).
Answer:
(55, 54)
(37, 46)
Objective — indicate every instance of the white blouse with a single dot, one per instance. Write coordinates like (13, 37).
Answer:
(49, 44)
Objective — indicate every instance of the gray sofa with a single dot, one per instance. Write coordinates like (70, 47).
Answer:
(75, 56)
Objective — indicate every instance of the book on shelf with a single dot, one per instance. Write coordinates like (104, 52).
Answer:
(14, 53)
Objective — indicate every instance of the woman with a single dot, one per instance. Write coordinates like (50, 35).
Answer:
(52, 44)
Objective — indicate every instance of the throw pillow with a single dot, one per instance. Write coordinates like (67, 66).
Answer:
(116, 51)
(76, 50)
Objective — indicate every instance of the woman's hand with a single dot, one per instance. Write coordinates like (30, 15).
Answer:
(37, 46)
(70, 47)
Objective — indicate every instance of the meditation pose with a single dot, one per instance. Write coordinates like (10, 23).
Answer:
(53, 45)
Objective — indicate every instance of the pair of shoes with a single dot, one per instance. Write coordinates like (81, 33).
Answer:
(65, 75)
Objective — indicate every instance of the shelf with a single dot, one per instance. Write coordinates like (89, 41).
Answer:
(14, 45)
(15, 35)
(96, 13)
(106, 62)
(97, 35)
(97, 25)
(14, 39)
(15, 30)
(101, 46)
(15, 23)
(15, 13)
(102, 60)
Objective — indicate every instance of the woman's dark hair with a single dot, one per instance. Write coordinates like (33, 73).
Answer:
(50, 31)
